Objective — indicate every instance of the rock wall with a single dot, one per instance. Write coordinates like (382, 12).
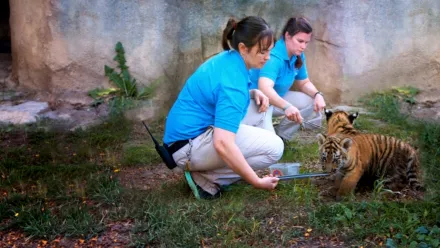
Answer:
(60, 47)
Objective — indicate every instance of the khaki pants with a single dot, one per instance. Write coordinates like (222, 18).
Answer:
(286, 129)
(261, 148)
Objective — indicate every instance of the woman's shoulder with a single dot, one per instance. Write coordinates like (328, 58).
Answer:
(221, 59)
(274, 63)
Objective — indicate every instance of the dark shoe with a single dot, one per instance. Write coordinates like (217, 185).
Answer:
(207, 196)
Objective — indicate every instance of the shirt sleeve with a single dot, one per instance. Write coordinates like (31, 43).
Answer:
(302, 73)
(272, 68)
(231, 100)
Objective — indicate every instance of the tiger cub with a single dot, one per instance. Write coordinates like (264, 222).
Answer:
(368, 155)
(340, 122)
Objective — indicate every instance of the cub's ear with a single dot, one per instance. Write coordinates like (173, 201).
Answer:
(328, 113)
(346, 143)
(353, 117)
(321, 138)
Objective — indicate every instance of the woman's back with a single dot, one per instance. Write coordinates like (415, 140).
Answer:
(217, 93)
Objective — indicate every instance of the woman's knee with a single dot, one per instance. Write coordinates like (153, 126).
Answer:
(299, 99)
(276, 148)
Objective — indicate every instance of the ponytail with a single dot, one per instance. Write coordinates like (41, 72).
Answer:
(299, 62)
(227, 33)
(250, 30)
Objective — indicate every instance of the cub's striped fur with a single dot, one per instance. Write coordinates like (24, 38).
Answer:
(368, 155)
(340, 122)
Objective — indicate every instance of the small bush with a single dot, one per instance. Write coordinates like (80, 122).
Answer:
(127, 92)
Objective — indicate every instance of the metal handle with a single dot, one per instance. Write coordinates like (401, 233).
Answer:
(312, 124)
(290, 177)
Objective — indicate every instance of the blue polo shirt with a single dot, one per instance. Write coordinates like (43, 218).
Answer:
(216, 94)
(280, 69)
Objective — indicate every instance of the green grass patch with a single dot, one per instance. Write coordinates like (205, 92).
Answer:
(142, 154)
(295, 151)
(56, 183)
(392, 220)
(244, 216)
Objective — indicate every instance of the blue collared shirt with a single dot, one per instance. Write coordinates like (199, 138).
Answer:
(216, 94)
(280, 69)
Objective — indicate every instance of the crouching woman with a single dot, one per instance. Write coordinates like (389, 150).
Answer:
(203, 130)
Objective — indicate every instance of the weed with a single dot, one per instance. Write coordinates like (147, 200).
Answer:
(126, 93)
(103, 188)
(406, 94)
(379, 190)
(77, 221)
(424, 238)
(38, 221)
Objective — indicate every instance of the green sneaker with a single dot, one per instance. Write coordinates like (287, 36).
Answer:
(192, 184)
(198, 192)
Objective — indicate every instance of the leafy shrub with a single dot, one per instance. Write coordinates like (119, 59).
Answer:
(126, 92)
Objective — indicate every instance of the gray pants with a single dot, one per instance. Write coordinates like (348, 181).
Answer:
(286, 129)
(261, 148)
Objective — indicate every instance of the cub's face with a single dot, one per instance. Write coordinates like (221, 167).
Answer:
(333, 152)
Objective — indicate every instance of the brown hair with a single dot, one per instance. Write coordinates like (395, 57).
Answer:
(293, 26)
(249, 31)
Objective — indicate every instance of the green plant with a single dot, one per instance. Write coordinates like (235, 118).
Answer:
(407, 93)
(122, 97)
(379, 190)
(421, 237)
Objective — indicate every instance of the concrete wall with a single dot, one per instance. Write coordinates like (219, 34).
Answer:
(60, 47)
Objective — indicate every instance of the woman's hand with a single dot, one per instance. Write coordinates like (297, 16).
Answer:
(319, 104)
(261, 99)
(267, 182)
(293, 114)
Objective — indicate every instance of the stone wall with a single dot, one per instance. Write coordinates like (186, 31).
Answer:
(60, 47)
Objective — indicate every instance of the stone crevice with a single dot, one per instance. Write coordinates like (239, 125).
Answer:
(328, 42)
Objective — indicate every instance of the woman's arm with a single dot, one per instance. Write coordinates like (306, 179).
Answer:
(260, 99)
(305, 86)
(291, 112)
(265, 85)
(224, 144)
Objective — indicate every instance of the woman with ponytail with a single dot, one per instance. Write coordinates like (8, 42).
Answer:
(287, 67)
(204, 130)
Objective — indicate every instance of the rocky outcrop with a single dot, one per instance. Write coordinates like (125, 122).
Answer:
(22, 113)
(60, 47)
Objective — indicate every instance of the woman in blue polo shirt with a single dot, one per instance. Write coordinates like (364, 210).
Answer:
(287, 67)
(203, 130)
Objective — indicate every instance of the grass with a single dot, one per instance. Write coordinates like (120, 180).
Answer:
(362, 220)
(47, 177)
(140, 154)
(56, 184)
(295, 151)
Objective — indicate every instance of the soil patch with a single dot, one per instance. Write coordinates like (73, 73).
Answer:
(148, 178)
